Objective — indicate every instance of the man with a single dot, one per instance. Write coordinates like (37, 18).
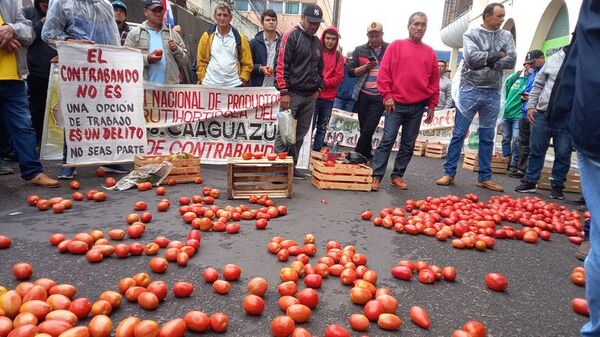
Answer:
(445, 101)
(159, 67)
(333, 74)
(39, 55)
(541, 133)
(299, 76)
(536, 60)
(409, 82)
(343, 100)
(224, 56)
(488, 50)
(369, 105)
(264, 48)
(16, 34)
(120, 10)
(84, 21)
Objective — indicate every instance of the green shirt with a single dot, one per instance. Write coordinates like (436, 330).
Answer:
(513, 87)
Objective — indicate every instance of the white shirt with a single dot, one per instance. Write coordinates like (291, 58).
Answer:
(269, 81)
(222, 69)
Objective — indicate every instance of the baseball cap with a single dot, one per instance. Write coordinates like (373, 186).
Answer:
(532, 56)
(151, 4)
(313, 13)
(119, 3)
(375, 27)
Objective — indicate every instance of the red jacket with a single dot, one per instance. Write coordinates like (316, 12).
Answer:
(409, 73)
(333, 68)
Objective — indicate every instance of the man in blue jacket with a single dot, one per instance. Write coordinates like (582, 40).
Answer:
(264, 48)
(344, 100)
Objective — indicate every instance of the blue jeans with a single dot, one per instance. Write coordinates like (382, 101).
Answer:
(321, 118)
(486, 102)
(590, 175)
(14, 111)
(510, 140)
(344, 104)
(538, 146)
(408, 116)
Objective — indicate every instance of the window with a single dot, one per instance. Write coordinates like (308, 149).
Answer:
(258, 6)
(292, 8)
(277, 6)
(241, 5)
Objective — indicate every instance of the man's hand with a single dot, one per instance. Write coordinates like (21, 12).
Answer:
(266, 70)
(502, 54)
(43, 20)
(389, 105)
(285, 102)
(531, 115)
(12, 45)
(316, 94)
(430, 114)
(54, 59)
(6, 33)
(153, 57)
(172, 45)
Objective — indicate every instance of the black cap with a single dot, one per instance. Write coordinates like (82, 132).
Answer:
(119, 4)
(532, 56)
(313, 13)
(151, 4)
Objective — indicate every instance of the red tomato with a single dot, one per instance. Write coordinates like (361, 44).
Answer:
(258, 286)
(580, 306)
(389, 321)
(219, 322)
(335, 330)
(158, 265)
(231, 272)
(496, 282)
(183, 289)
(300, 313)
(253, 305)
(420, 317)
(449, 273)
(282, 326)
(147, 300)
(359, 322)
(313, 281)
(373, 309)
(210, 274)
(475, 329)
(402, 273)
(309, 297)
(221, 287)
(22, 271)
(197, 321)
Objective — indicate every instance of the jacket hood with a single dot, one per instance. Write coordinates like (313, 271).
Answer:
(334, 30)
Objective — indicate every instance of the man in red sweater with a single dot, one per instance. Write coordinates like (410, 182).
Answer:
(409, 82)
(333, 74)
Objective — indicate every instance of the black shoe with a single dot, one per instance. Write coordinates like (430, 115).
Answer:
(557, 194)
(516, 174)
(583, 250)
(526, 187)
(299, 175)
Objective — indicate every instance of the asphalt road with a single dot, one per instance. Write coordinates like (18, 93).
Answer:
(536, 303)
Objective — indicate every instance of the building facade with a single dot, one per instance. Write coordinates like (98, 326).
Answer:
(539, 24)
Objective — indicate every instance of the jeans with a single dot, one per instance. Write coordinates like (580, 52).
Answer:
(370, 110)
(38, 88)
(344, 104)
(539, 142)
(590, 175)
(510, 140)
(524, 135)
(321, 118)
(302, 110)
(472, 100)
(408, 116)
(14, 111)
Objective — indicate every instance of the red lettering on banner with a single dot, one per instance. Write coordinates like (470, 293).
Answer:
(95, 56)
(155, 146)
(218, 151)
(237, 152)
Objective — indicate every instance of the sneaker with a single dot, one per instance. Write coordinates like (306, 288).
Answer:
(116, 168)
(66, 173)
(43, 180)
(375, 184)
(445, 181)
(299, 175)
(526, 187)
(490, 185)
(517, 174)
(557, 193)
(583, 250)
(400, 183)
(4, 168)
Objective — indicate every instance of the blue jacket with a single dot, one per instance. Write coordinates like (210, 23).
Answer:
(346, 89)
(527, 88)
(259, 56)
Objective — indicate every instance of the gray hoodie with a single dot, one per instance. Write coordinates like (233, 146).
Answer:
(483, 67)
(539, 96)
(14, 18)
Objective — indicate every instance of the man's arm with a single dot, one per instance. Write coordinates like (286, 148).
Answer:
(132, 41)
(284, 57)
(56, 21)
(510, 59)
(254, 45)
(448, 92)
(537, 88)
(23, 31)
(475, 58)
(246, 63)
(181, 54)
(434, 83)
(338, 76)
(385, 78)
(202, 57)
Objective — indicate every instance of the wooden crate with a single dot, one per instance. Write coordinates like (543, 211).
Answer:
(420, 148)
(572, 185)
(260, 176)
(353, 177)
(436, 150)
(499, 164)
(183, 171)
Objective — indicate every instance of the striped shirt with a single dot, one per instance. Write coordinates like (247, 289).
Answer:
(370, 85)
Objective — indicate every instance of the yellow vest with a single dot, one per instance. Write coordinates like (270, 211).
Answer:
(8, 62)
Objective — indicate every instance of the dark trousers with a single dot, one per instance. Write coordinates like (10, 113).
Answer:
(370, 110)
(407, 116)
(302, 109)
(524, 135)
(37, 90)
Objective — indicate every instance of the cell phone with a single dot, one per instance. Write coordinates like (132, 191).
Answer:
(372, 58)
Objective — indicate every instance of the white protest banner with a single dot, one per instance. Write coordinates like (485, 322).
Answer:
(213, 123)
(101, 102)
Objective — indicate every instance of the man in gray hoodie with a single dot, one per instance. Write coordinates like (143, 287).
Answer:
(541, 132)
(488, 51)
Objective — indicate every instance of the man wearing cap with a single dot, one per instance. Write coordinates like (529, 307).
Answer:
(488, 51)
(120, 9)
(166, 50)
(299, 76)
(224, 55)
(409, 83)
(369, 105)
(515, 128)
